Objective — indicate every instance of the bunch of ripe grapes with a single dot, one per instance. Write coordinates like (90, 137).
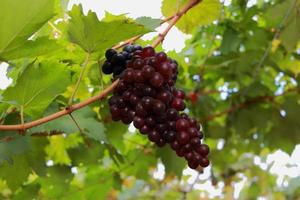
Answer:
(146, 95)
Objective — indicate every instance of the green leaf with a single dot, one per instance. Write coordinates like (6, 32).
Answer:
(14, 147)
(290, 35)
(38, 85)
(15, 174)
(40, 46)
(173, 163)
(20, 19)
(275, 14)
(287, 15)
(94, 35)
(85, 117)
(231, 41)
(202, 14)
(58, 146)
(27, 192)
(149, 22)
(56, 183)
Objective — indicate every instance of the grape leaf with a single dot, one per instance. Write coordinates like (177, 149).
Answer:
(58, 146)
(20, 19)
(173, 163)
(149, 22)
(285, 14)
(230, 42)
(15, 174)
(85, 117)
(202, 14)
(94, 35)
(15, 147)
(37, 86)
(56, 183)
(38, 47)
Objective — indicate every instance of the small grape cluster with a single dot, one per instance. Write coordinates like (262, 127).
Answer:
(146, 95)
(116, 62)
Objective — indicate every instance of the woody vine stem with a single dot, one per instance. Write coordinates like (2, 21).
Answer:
(68, 110)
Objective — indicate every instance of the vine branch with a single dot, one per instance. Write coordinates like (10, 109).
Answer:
(110, 88)
(248, 103)
(61, 113)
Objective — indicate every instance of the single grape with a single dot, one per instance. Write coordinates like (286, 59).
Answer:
(182, 124)
(153, 136)
(179, 94)
(110, 53)
(150, 121)
(156, 80)
(182, 137)
(107, 68)
(148, 51)
(175, 145)
(203, 149)
(161, 57)
(164, 96)
(169, 136)
(158, 107)
(204, 162)
(129, 48)
(178, 104)
(172, 114)
(148, 71)
(138, 122)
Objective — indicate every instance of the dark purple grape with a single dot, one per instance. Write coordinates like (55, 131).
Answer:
(203, 149)
(179, 94)
(107, 68)
(156, 80)
(138, 122)
(182, 137)
(150, 121)
(169, 136)
(148, 71)
(161, 128)
(175, 145)
(204, 162)
(161, 57)
(129, 48)
(171, 125)
(145, 130)
(148, 51)
(161, 142)
(158, 107)
(147, 102)
(172, 114)
(182, 124)
(110, 53)
(153, 136)
(164, 96)
(178, 104)
(140, 111)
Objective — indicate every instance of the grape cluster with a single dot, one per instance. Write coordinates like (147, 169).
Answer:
(146, 95)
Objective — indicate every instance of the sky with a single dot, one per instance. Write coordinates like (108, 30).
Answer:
(175, 41)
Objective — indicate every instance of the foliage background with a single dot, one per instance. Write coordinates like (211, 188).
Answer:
(240, 69)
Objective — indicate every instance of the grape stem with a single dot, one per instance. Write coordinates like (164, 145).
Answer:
(84, 65)
(173, 19)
